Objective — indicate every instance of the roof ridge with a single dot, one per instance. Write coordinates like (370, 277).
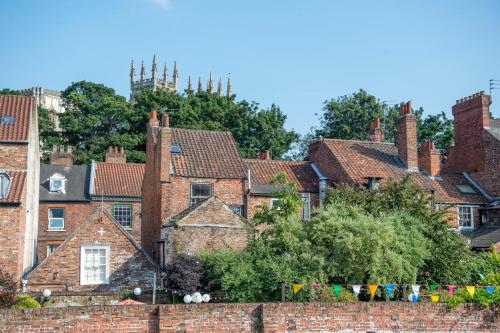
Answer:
(199, 130)
(275, 161)
(362, 141)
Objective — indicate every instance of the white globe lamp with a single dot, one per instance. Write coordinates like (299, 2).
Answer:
(187, 299)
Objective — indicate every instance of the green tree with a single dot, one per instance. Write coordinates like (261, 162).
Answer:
(439, 129)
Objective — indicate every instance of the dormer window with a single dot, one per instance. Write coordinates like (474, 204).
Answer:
(5, 181)
(57, 183)
(373, 183)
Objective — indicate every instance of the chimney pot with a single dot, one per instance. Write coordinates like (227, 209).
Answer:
(165, 121)
(152, 115)
(122, 150)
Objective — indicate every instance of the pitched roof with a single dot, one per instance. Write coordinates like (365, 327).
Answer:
(484, 237)
(494, 128)
(20, 108)
(76, 187)
(206, 154)
(299, 172)
(117, 179)
(489, 181)
(16, 187)
(362, 159)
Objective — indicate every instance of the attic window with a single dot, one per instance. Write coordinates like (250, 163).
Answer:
(466, 189)
(7, 120)
(175, 148)
(5, 181)
(57, 183)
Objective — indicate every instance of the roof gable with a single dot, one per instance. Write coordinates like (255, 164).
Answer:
(206, 154)
(15, 112)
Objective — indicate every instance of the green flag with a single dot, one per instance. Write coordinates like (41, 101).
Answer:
(336, 289)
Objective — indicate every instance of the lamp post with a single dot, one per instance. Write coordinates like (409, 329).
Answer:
(46, 295)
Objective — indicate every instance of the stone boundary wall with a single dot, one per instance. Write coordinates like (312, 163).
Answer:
(268, 317)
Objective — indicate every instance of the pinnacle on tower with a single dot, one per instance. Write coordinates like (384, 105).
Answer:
(154, 71)
(132, 72)
(200, 88)
(210, 84)
(190, 87)
(219, 87)
(143, 72)
(229, 88)
(176, 76)
(165, 74)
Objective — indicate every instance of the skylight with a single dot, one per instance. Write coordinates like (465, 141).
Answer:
(466, 189)
(175, 148)
(7, 120)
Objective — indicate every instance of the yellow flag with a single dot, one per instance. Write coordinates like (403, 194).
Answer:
(373, 289)
(471, 290)
(435, 298)
(297, 287)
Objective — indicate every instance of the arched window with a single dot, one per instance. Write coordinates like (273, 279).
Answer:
(5, 181)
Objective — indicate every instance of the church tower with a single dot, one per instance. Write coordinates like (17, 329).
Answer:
(153, 83)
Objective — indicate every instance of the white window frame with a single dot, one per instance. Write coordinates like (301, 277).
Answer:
(191, 197)
(56, 218)
(471, 216)
(272, 202)
(83, 280)
(57, 177)
(306, 199)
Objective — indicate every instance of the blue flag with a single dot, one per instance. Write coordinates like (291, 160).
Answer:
(490, 289)
(390, 289)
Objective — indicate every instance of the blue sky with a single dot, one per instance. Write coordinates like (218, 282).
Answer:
(293, 53)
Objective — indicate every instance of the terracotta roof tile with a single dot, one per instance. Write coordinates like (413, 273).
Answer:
(300, 172)
(21, 108)
(118, 179)
(206, 154)
(16, 187)
(447, 191)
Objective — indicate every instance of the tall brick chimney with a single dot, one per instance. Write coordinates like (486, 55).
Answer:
(471, 115)
(113, 155)
(407, 137)
(429, 159)
(265, 155)
(376, 134)
(61, 156)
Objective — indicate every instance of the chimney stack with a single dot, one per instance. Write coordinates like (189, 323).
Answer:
(59, 156)
(113, 155)
(429, 159)
(407, 137)
(376, 134)
(265, 155)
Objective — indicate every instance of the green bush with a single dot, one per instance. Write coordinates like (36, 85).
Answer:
(25, 302)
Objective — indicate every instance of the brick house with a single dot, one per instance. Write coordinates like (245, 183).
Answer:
(184, 167)
(19, 173)
(371, 163)
(303, 173)
(207, 225)
(100, 255)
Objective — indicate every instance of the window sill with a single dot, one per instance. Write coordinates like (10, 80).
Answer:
(55, 230)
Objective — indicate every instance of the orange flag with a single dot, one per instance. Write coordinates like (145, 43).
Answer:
(373, 289)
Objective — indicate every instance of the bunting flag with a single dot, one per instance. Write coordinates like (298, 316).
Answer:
(490, 289)
(451, 289)
(373, 289)
(433, 287)
(356, 288)
(390, 289)
(415, 288)
(435, 298)
(336, 289)
(297, 287)
(415, 298)
(471, 290)
(314, 285)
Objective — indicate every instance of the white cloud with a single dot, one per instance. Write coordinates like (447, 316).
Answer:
(164, 4)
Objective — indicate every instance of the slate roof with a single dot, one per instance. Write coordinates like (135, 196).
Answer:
(361, 159)
(16, 187)
(484, 237)
(206, 154)
(118, 179)
(494, 128)
(21, 108)
(76, 186)
(299, 172)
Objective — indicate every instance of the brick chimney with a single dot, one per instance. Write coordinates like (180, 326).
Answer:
(115, 155)
(471, 115)
(429, 159)
(407, 137)
(59, 156)
(376, 134)
(265, 155)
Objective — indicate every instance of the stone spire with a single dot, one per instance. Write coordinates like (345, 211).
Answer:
(132, 72)
(219, 87)
(176, 76)
(154, 70)
(190, 87)
(143, 72)
(210, 84)
(165, 74)
(200, 88)
(229, 88)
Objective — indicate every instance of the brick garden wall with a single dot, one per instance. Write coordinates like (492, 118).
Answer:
(267, 318)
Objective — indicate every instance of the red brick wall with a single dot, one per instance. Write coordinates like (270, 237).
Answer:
(327, 164)
(75, 214)
(266, 318)
(12, 225)
(136, 214)
(13, 156)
